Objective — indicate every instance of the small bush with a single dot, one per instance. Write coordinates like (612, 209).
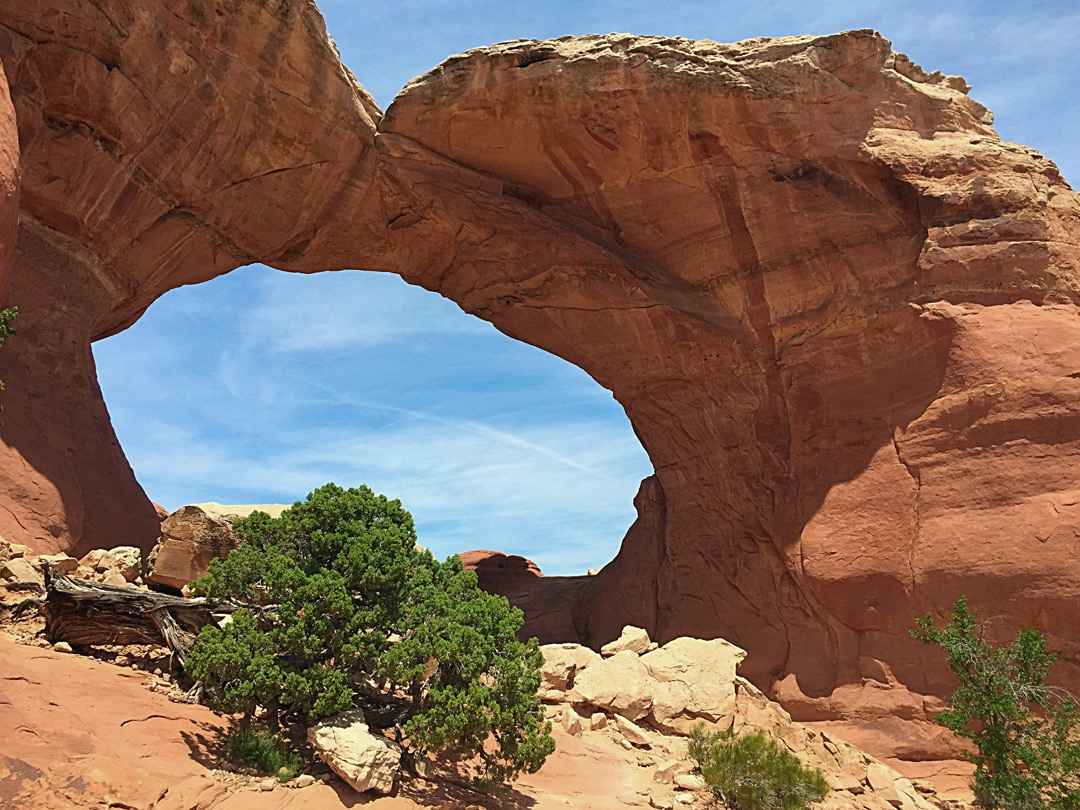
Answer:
(752, 772)
(258, 748)
(1026, 734)
(7, 317)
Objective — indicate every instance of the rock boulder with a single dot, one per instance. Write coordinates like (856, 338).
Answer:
(190, 539)
(561, 663)
(619, 684)
(19, 573)
(59, 563)
(125, 561)
(631, 638)
(498, 572)
(364, 760)
(695, 681)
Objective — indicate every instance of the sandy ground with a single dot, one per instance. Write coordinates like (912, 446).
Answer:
(76, 732)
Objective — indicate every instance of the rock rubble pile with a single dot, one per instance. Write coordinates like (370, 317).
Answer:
(23, 572)
(646, 698)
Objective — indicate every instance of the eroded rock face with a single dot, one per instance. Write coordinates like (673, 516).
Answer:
(839, 311)
(153, 140)
(498, 572)
(9, 184)
(190, 538)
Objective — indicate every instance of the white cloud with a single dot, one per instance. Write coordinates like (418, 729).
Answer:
(543, 493)
(331, 311)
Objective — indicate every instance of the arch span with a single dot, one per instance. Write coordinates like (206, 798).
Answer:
(838, 310)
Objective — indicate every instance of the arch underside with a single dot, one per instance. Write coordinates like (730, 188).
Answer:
(837, 309)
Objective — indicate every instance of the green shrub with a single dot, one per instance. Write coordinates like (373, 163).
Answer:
(340, 608)
(752, 772)
(7, 317)
(262, 750)
(1026, 734)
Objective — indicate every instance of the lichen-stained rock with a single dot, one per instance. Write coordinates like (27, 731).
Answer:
(190, 539)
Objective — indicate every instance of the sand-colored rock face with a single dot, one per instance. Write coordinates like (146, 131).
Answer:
(839, 311)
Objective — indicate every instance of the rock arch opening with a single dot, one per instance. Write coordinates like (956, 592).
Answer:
(839, 312)
(259, 386)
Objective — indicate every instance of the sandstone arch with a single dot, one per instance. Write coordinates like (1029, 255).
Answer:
(839, 311)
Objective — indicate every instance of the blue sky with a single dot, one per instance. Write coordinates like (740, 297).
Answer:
(259, 386)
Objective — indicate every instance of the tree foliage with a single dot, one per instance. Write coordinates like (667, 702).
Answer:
(340, 608)
(1026, 734)
(752, 772)
(7, 318)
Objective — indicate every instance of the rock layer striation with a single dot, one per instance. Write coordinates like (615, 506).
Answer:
(839, 311)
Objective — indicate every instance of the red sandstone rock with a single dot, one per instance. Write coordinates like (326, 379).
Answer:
(9, 186)
(498, 572)
(146, 166)
(838, 310)
(190, 539)
(73, 729)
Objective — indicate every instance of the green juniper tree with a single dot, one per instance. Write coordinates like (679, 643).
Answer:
(340, 608)
(1026, 734)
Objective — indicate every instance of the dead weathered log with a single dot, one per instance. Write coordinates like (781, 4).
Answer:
(13, 612)
(82, 612)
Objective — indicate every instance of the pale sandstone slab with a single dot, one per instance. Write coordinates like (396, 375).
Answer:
(634, 639)
(366, 761)
(190, 539)
(619, 684)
